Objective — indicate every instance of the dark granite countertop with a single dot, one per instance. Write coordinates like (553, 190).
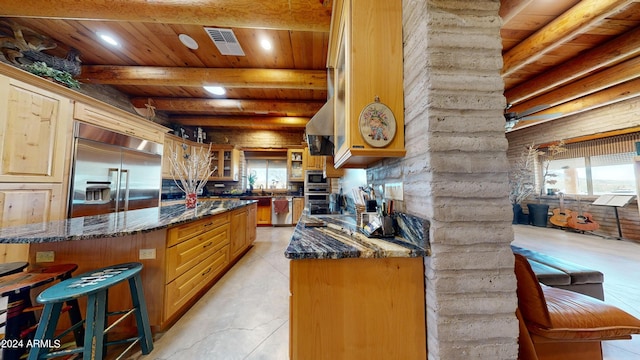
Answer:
(114, 225)
(340, 238)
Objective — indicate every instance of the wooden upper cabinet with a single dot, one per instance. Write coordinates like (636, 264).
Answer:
(227, 159)
(366, 63)
(35, 129)
(173, 146)
(312, 162)
(295, 164)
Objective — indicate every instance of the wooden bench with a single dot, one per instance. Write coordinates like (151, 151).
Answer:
(563, 274)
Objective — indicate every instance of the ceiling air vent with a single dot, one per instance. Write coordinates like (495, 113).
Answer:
(225, 41)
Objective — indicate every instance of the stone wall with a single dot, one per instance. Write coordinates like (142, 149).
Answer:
(455, 175)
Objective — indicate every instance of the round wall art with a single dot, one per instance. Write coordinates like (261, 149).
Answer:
(377, 124)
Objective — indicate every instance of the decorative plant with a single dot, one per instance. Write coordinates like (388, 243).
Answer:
(41, 69)
(252, 179)
(521, 177)
(549, 177)
(191, 171)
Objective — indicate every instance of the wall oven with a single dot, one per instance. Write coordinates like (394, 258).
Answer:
(316, 192)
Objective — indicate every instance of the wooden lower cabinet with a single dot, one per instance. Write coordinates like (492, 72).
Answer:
(252, 222)
(243, 228)
(357, 309)
(238, 229)
(264, 213)
(196, 260)
(297, 209)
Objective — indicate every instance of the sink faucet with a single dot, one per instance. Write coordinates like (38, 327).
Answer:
(262, 189)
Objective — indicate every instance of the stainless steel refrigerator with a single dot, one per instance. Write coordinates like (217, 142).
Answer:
(113, 172)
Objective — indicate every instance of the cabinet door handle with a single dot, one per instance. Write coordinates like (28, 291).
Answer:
(209, 224)
(207, 245)
(206, 272)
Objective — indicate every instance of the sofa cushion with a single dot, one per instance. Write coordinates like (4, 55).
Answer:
(579, 274)
(531, 302)
(576, 316)
(549, 275)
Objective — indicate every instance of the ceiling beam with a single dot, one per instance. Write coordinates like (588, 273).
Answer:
(230, 106)
(577, 20)
(612, 95)
(612, 76)
(300, 15)
(619, 49)
(243, 122)
(189, 76)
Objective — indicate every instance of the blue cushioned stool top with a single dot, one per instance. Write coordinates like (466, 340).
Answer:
(89, 282)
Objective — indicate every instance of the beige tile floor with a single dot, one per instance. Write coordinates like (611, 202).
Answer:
(245, 315)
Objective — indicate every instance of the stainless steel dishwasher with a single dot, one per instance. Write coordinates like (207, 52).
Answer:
(281, 211)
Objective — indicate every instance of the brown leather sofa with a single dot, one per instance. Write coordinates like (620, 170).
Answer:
(558, 324)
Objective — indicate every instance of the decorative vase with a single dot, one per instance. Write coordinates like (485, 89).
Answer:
(517, 210)
(538, 214)
(191, 200)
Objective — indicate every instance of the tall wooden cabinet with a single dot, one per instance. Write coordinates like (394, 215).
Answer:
(367, 63)
(35, 130)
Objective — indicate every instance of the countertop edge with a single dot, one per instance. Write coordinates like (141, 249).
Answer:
(340, 239)
(117, 225)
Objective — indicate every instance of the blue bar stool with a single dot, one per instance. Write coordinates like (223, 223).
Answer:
(94, 285)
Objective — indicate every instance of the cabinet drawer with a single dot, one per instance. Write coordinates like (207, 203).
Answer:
(185, 255)
(185, 286)
(181, 233)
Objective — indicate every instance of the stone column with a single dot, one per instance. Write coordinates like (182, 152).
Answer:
(455, 175)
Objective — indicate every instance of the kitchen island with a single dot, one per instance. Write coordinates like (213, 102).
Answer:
(183, 251)
(354, 297)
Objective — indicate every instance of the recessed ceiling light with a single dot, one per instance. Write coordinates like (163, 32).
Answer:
(266, 44)
(216, 90)
(188, 41)
(109, 39)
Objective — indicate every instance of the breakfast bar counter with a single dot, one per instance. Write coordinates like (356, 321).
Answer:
(183, 251)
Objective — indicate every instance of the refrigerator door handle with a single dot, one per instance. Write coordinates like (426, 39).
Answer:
(124, 172)
(115, 192)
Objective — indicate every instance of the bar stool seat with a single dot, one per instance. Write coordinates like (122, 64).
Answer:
(94, 285)
(12, 267)
(20, 317)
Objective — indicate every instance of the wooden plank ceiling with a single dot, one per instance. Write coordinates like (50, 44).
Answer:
(561, 57)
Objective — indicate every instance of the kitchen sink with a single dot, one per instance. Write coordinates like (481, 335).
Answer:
(262, 200)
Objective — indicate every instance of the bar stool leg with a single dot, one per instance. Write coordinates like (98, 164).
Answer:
(93, 337)
(76, 317)
(46, 328)
(142, 317)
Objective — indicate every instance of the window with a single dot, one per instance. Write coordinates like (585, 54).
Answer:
(613, 174)
(594, 175)
(270, 174)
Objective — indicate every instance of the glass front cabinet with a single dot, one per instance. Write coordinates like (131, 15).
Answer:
(366, 65)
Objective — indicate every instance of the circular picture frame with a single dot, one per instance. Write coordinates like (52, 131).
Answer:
(377, 124)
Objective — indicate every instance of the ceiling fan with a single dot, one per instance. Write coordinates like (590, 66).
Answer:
(513, 118)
